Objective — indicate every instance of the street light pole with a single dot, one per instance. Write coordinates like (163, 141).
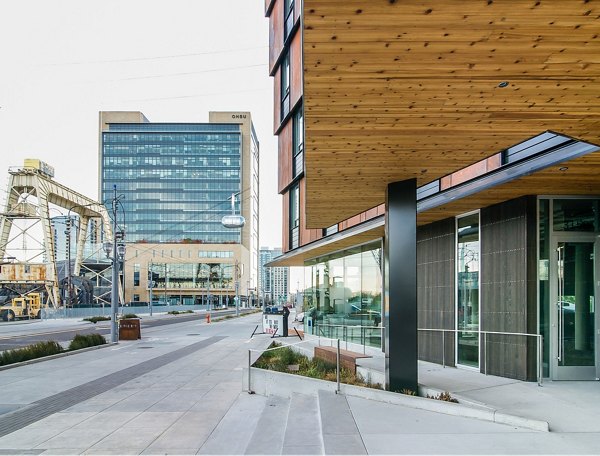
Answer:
(114, 336)
(151, 285)
(116, 253)
(68, 252)
(237, 290)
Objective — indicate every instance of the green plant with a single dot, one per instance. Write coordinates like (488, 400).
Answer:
(130, 316)
(445, 396)
(86, 340)
(281, 359)
(33, 351)
(96, 319)
(408, 392)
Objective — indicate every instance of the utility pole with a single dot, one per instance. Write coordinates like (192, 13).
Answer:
(150, 285)
(68, 252)
(114, 336)
(116, 252)
(208, 292)
(237, 289)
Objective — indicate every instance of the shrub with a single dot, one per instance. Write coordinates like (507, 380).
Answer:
(96, 319)
(33, 351)
(130, 316)
(86, 340)
(282, 359)
(445, 396)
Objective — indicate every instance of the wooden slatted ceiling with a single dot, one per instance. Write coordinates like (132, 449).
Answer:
(402, 89)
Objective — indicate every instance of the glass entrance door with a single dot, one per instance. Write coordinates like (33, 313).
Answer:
(575, 322)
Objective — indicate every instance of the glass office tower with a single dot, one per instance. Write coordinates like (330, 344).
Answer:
(176, 182)
(176, 179)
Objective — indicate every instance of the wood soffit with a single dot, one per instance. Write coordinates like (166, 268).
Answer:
(410, 89)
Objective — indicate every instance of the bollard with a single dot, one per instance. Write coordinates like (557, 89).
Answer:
(207, 318)
(337, 371)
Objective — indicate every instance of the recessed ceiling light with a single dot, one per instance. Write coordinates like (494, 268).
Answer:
(563, 168)
(503, 84)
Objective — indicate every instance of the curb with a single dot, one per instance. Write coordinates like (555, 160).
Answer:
(58, 355)
(274, 383)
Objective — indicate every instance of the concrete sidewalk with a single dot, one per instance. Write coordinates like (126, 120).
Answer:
(179, 391)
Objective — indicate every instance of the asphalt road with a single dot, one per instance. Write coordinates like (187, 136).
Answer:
(30, 334)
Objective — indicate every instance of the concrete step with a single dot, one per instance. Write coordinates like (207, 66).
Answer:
(339, 431)
(235, 431)
(303, 429)
(270, 431)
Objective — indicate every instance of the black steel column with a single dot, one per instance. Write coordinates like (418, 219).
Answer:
(400, 247)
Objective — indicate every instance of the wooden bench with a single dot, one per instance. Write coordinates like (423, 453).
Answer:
(347, 358)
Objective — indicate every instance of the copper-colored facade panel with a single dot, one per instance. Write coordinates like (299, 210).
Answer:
(275, 33)
(285, 157)
(471, 172)
(296, 69)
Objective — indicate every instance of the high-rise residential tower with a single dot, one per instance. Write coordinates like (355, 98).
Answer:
(273, 281)
(175, 182)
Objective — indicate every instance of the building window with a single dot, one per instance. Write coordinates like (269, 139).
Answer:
(288, 17)
(136, 298)
(136, 275)
(294, 217)
(298, 159)
(467, 296)
(285, 86)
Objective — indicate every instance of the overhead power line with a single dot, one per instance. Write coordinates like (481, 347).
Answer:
(187, 73)
(158, 57)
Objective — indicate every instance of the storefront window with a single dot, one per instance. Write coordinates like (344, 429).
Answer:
(467, 304)
(343, 299)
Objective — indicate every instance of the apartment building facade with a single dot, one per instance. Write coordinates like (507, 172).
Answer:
(438, 180)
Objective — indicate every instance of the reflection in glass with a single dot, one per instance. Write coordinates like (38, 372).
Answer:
(342, 296)
(576, 215)
(467, 305)
(576, 303)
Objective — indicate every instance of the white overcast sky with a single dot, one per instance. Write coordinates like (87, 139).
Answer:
(63, 61)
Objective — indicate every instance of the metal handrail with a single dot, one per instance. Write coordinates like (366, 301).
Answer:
(539, 338)
(353, 327)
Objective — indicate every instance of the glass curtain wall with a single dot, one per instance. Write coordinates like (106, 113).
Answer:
(199, 277)
(342, 298)
(467, 285)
